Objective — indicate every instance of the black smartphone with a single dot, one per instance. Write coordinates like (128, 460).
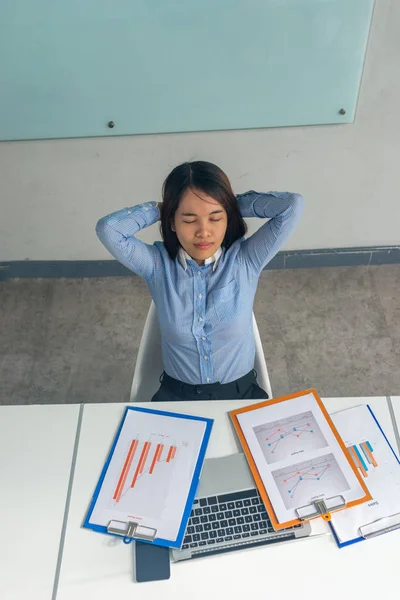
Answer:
(151, 563)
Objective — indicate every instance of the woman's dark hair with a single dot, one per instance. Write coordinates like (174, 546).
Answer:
(204, 177)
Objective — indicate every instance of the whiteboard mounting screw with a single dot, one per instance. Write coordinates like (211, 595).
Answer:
(111, 124)
(342, 111)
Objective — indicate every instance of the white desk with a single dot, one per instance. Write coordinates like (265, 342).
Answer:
(395, 402)
(36, 449)
(97, 566)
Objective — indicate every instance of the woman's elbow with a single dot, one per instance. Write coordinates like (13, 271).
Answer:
(101, 227)
(297, 203)
(298, 199)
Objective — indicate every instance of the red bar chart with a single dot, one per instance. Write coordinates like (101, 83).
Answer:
(149, 456)
(156, 457)
(125, 470)
(171, 453)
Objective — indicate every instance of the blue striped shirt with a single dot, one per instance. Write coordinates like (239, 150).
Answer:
(205, 312)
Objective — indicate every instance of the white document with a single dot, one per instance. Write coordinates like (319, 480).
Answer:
(298, 456)
(376, 461)
(150, 473)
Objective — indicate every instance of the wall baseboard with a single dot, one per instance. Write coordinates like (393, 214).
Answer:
(292, 259)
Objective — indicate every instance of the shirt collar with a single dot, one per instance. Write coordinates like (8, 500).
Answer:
(184, 257)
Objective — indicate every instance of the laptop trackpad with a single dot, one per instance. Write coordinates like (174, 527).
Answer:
(225, 475)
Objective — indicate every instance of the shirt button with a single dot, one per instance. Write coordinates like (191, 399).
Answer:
(200, 296)
(198, 272)
(208, 380)
(206, 357)
(200, 319)
(204, 339)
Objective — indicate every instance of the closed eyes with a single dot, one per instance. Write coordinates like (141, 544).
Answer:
(212, 220)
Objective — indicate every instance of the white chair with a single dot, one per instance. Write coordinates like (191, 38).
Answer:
(259, 362)
(149, 365)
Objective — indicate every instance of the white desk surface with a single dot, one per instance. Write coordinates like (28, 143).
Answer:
(36, 449)
(396, 410)
(98, 566)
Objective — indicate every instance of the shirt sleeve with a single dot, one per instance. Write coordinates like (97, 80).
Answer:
(117, 232)
(284, 210)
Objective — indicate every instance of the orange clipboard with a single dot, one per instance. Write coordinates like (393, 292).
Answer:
(257, 478)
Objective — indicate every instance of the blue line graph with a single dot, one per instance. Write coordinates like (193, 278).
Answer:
(320, 477)
(306, 476)
(280, 435)
(290, 436)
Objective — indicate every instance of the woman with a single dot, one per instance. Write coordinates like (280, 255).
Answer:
(203, 277)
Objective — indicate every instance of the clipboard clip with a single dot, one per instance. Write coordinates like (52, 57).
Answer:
(321, 508)
(380, 526)
(131, 530)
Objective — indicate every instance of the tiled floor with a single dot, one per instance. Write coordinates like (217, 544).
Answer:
(76, 340)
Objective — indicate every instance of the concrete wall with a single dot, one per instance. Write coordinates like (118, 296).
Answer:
(53, 192)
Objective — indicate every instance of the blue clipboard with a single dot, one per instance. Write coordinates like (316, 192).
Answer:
(362, 539)
(177, 543)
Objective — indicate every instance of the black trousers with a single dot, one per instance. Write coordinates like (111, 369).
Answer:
(244, 388)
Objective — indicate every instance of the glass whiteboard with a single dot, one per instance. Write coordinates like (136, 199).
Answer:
(69, 68)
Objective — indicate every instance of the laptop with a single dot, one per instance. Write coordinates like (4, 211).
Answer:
(228, 513)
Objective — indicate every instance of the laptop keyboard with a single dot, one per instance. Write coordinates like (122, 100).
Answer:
(227, 518)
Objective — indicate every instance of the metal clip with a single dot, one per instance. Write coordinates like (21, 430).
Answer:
(131, 530)
(321, 508)
(380, 526)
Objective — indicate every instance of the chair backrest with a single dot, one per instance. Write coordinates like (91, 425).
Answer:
(149, 365)
(259, 362)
